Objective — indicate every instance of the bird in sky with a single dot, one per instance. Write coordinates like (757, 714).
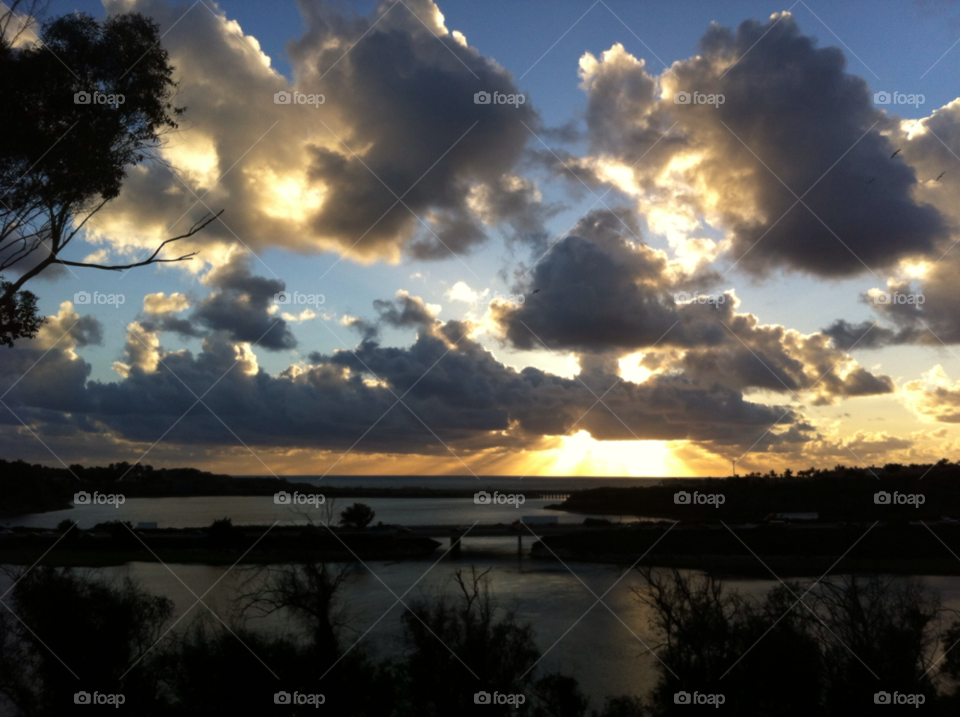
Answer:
(871, 180)
(938, 178)
(896, 153)
(535, 291)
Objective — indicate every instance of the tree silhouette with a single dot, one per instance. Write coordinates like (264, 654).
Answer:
(99, 628)
(82, 106)
(856, 635)
(18, 315)
(358, 515)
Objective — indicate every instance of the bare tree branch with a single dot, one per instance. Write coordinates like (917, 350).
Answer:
(199, 226)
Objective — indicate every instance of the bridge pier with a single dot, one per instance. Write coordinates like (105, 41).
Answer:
(519, 546)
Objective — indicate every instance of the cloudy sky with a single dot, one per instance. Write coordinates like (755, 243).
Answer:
(694, 233)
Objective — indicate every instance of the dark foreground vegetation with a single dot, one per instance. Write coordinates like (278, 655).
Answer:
(848, 640)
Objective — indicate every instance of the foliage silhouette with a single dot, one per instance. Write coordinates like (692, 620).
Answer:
(64, 154)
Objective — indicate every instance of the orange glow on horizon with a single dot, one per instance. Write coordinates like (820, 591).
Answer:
(582, 455)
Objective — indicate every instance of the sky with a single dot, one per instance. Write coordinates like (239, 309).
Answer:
(593, 277)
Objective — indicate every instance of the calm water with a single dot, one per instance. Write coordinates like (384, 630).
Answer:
(598, 650)
(578, 637)
(261, 510)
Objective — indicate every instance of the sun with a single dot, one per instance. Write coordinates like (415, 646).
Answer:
(581, 454)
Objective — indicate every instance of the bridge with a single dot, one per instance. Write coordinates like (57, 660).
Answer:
(456, 533)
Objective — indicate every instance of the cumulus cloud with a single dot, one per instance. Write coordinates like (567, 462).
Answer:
(602, 295)
(455, 385)
(242, 307)
(794, 125)
(865, 335)
(159, 303)
(399, 162)
(305, 315)
(778, 359)
(406, 311)
(461, 291)
(398, 158)
(142, 351)
(919, 311)
(56, 382)
(934, 398)
(598, 291)
(68, 330)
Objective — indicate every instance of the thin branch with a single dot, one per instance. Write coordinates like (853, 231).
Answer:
(85, 220)
(199, 226)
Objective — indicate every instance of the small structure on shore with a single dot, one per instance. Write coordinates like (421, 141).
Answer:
(792, 517)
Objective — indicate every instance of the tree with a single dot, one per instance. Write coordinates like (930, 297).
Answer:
(766, 655)
(80, 108)
(18, 315)
(358, 515)
(102, 630)
(450, 643)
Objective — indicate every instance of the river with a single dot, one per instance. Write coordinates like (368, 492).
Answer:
(601, 644)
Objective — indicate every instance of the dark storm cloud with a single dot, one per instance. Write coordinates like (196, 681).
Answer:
(368, 330)
(172, 324)
(468, 399)
(404, 311)
(788, 105)
(847, 336)
(601, 294)
(516, 203)
(398, 120)
(922, 312)
(241, 307)
(405, 97)
(87, 331)
(934, 320)
(45, 373)
(798, 110)
(777, 359)
(621, 104)
(598, 292)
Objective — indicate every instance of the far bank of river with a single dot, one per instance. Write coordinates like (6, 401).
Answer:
(200, 512)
